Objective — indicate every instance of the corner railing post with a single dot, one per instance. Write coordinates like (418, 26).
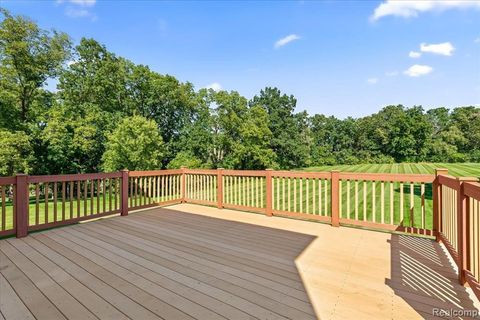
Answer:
(124, 193)
(183, 185)
(437, 203)
(463, 228)
(220, 188)
(335, 175)
(21, 205)
(268, 195)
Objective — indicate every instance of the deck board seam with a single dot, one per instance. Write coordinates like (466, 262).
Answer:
(133, 272)
(40, 291)
(284, 262)
(226, 301)
(18, 296)
(258, 243)
(192, 268)
(223, 264)
(173, 240)
(48, 275)
(219, 227)
(161, 275)
(85, 285)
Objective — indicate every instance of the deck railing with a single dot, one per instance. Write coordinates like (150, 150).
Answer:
(459, 225)
(433, 205)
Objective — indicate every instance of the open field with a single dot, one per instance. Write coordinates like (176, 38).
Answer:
(454, 169)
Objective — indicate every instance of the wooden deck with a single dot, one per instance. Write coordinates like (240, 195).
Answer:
(195, 262)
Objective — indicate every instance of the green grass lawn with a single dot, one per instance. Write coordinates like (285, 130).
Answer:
(454, 169)
(74, 209)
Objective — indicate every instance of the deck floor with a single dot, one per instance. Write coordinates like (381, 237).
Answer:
(195, 262)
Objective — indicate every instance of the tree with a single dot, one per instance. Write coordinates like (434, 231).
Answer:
(252, 150)
(28, 57)
(285, 127)
(185, 159)
(96, 77)
(135, 144)
(15, 153)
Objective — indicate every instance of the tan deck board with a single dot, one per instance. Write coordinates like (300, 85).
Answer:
(194, 262)
(11, 305)
(241, 279)
(282, 284)
(33, 299)
(166, 279)
(113, 304)
(129, 289)
(214, 252)
(196, 281)
(214, 276)
(258, 235)
(62, 299)
(217, 233)
(130, 272)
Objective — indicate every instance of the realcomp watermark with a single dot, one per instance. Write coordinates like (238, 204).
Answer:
(455, 313)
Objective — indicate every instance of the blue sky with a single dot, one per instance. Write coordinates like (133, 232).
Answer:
(337, 58)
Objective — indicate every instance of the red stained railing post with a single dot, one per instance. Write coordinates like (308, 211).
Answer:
(220, 188)
(463, 230)
(335, 198)
(21, 205)
(269, 191)
(124, 193)
(183, 186)
(437, 203)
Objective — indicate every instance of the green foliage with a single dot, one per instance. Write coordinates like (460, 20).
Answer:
(15, 152)
(135, 144)
(28, 57)
(287, 129)
(185, 159)
(110, 114)
(252, 150)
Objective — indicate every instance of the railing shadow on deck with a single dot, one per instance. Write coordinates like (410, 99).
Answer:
(424, 276)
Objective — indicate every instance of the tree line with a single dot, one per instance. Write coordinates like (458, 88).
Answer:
(108, 113)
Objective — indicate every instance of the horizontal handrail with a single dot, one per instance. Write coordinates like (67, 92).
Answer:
(73, 177)
(388, 177)
(472, 190)
(299, 174)
(244, 173)
(7, 180)
(154, 173)
(449, 181)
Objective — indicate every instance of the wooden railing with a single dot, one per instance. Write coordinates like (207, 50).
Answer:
(459, 225)
(8, 186)
(152, 188)
(433, 205)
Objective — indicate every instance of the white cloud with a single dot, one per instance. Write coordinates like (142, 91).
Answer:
(391, 73)
(214, 86)
(79, 8)
(286, 40)
(418, 70)
(372, 80)
(477, 40)
(411, 8)
(444, 49)
(84, 3)
(414, 54)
